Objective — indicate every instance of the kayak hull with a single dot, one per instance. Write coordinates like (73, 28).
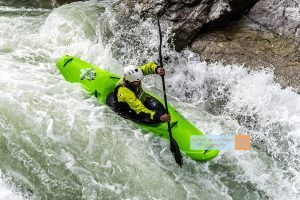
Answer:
(101, 83)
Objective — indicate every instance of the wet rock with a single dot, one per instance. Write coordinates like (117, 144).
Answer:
(281, 16)
(36, 3)
(269, 36)
(188, 17)
(61, 2)
(246, 42)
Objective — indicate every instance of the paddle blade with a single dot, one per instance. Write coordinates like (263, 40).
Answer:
(176, 151)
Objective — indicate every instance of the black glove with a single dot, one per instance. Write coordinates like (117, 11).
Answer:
(157, 116)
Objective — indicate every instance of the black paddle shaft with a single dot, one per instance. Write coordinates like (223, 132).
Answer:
(173, 144)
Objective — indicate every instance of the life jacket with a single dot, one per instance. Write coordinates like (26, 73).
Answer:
(123, 108)
(138, 91)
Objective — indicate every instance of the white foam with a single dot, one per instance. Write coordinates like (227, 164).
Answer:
(69, 128)
(8, 191)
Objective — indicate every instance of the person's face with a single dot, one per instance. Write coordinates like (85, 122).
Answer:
(136, 83)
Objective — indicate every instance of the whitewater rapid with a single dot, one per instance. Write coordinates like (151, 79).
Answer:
(57, 142)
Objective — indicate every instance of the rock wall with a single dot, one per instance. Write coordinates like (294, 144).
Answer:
(188, 17)
(281, 16)
(247, 43)
(61, 2)
(269, 36)
(37, 3)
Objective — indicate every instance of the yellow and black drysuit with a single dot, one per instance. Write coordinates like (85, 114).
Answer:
(133, 98)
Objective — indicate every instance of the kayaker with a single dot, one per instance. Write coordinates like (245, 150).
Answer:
(131, 97)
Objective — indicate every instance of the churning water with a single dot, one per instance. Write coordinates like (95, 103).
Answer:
(57, 142)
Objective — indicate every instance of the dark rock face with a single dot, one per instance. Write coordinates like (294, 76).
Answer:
(246, 42)
(188, 17)
(28, 3)
(282, 16)
(61, 2)
(37, 3)
(268, 36)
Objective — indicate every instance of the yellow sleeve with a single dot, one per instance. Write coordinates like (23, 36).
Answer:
(148, 68)
(126, 95)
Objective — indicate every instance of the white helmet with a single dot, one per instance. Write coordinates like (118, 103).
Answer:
(133, 73)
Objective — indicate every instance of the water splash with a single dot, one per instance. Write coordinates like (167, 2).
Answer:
(60, 143)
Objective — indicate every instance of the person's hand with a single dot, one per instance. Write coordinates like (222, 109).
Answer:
(160, 71)
(165, 118)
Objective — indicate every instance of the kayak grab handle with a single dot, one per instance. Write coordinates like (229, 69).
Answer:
(69, 60)
(114, 77)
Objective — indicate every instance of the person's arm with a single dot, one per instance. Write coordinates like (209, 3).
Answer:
(149, 68)
(152, 68)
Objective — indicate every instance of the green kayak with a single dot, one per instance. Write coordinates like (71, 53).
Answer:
(101, 84)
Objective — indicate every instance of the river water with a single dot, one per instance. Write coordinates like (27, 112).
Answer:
(57, 142)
